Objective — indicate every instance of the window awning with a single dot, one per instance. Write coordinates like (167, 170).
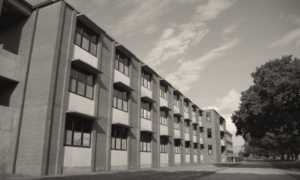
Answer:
(165, 135)
(188, 140)
(124, 50)
(195, 122)
(123, 86)
(178, 115)
(187, 99)
(187, 119)
(178, 138)
(121, 125)
(90, 24)
(165, 82)
(148, 69)
(86, 66)
(176, 91)
(79, 114)
(148, 99)
(165, 108)
(195, 106)
(147, 131)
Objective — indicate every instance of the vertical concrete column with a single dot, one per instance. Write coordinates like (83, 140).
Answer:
(39, 149)
(61, 91)
(135, 117)
(105, 98)
(182, 131)
(204, 137)
(155, 122)
(198, 135)
(191, 132)
(171, 126)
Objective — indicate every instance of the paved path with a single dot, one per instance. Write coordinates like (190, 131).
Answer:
(250, 171)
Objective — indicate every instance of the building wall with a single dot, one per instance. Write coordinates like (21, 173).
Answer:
(45, 43)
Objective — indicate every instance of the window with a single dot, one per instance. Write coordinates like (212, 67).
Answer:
(194, 112)
(208, 132)
(177, 144)
(146, 80)
(176, 100)
(176, 122)
(163, 91)
(122, 63)
(118, 138)
(194, 129)
(146, 142)
(186, 126)
(210, 150)
(146, 110)
(163, 118)
(163, 144)
(195, 148)
(186, 106)
(187, 147)
(120, 100)
(208, 117)
(81, 82)
(78, 131)
(86, 39)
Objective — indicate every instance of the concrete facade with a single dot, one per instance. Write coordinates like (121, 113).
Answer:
(104, 123)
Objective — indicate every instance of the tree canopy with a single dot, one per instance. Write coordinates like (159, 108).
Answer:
(270, 108)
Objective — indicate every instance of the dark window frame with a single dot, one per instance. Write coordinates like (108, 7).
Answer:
(145, 140)
(176, 118)
(146, 79)
(176, 100)
(83, 122)
(209, 133)
(119, 63)
(77, 79)
(116, 98)
(123, 137)
(82, 31)
(195, 147)
(144, 108)
(208, 117)
(177, 146)
(163, 91)
(186, 106)
(163, 144)
(186, 126)
(209, 147)
(163, 120)
(187, 147)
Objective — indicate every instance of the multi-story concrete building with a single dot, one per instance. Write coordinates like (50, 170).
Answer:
(229, 144)
(73, 99)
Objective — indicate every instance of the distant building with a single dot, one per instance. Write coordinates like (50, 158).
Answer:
(74, 100)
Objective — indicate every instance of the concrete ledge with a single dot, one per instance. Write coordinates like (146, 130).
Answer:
(118, 168)
(10, 65)
(145, 166)
(164, 165)
(77, 170)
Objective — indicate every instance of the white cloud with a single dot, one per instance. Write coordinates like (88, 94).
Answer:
(188, 71)
(229, 29)
(225, 107)
(290, 37)
(190, 34)
(143, 13)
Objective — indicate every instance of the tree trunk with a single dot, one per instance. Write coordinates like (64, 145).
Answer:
(288, 156)
(273, 157)
(296, 156)
(282, 156)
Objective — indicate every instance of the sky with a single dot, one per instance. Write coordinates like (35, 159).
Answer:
(205, 48)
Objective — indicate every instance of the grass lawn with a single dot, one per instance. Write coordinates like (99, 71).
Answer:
(290, 167)
(168, 173)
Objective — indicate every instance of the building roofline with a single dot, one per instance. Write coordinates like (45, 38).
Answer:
(48, 2)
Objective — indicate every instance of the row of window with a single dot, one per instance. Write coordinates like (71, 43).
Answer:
(163, 91)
